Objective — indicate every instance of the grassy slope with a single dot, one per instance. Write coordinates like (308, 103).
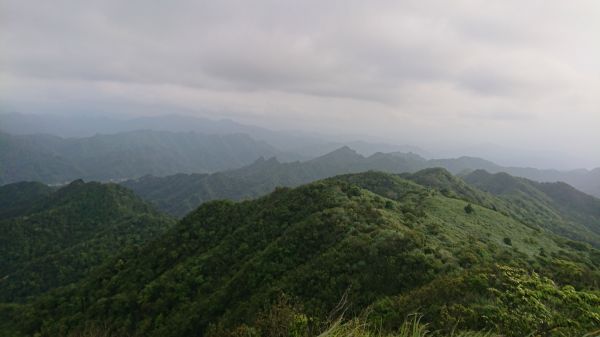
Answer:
(555, 206)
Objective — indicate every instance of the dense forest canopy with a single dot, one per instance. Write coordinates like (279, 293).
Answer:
(53, 238)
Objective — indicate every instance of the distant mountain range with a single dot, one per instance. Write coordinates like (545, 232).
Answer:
(305, 145)
(55, 160)
(180, 144)
(181, 193)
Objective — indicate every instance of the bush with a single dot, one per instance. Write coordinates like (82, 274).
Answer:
(469, 209)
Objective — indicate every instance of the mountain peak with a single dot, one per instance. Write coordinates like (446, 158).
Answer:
(77, 182)
(496, 183)
(343, 152)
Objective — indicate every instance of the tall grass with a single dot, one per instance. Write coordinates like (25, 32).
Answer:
(411, 328)
(356, 327)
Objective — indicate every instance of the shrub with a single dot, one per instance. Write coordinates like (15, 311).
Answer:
(469, 209)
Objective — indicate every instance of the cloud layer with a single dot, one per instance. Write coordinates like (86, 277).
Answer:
(510, 72)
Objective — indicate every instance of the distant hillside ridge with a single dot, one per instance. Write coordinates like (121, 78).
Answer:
(558, 206)
(55, 160)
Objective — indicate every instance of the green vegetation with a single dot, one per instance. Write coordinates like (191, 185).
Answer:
(17, 199)
(553, 206)
(498, 298)
(388, 245)
(469, 209)
(181, 193)
(557, 207)
(51, 239)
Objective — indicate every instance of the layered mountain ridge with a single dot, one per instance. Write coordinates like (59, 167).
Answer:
(545, 202)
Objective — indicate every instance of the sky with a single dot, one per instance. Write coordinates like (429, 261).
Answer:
(518, 74)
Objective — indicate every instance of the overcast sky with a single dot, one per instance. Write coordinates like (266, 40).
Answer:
(514, 73)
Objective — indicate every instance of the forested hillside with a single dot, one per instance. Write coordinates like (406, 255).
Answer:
(383, 243)
(52, 238)
(53, 160)
(555, 206)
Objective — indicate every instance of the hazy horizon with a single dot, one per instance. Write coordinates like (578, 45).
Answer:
(523, 76)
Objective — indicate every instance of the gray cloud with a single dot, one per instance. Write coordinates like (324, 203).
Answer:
(434, 68)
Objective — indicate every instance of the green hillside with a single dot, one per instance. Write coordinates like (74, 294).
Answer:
(374, 240)
(53, 238)
(555, 206)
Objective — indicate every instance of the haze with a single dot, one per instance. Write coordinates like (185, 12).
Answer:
(447, 76)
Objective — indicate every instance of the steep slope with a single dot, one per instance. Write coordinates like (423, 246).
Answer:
(62, 235)
(573, 204)
(133, 154)
(369, 236)
(555, 206)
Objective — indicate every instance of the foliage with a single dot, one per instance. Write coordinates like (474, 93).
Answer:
(19, 198)
(501, 298)
(377, 238)
(554, 206)
(62, 235)
(469, 209)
